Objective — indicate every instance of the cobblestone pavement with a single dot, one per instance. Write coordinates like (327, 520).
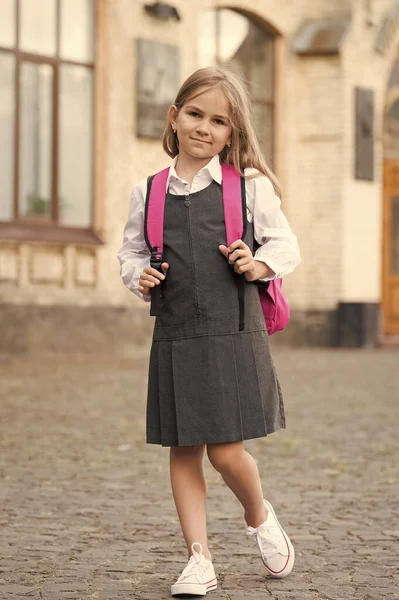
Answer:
(86, 511)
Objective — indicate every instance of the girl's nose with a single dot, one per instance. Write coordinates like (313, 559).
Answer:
(202, 127)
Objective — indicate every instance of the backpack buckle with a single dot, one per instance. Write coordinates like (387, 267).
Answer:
(156, 259)
(156, 292)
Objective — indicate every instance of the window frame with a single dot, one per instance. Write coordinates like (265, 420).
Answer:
(48, 228)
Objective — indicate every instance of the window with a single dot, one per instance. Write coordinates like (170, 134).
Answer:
(227, 36)
(46, 113)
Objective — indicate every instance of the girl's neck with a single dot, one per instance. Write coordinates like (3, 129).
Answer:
(187, 167)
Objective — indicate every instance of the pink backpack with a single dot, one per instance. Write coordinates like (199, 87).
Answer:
(274, 304)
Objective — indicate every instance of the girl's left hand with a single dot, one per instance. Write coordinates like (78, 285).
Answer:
(241, 256)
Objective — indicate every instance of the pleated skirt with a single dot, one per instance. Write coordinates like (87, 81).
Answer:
(212, 389)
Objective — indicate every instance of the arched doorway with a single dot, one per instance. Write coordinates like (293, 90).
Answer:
(228, 36)
(390, 270)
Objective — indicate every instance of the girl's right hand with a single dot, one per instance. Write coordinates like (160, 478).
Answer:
(150, 277)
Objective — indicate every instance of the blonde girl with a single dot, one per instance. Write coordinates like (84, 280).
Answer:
(210, 385)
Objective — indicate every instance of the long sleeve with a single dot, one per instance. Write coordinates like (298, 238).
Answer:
(134, 255)
(278, 244)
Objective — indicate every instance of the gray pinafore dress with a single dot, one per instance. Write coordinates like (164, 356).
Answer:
(208, 382)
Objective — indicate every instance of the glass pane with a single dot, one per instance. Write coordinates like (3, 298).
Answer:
(394, 76)
(35, 140)
(75, 145)
(8, 23)
(221, 34)
(38, 26)
(262, 120)
(77, 30)
(233, 34)
(391, 130)
(395, 236)
(260, 72)
(7, 112)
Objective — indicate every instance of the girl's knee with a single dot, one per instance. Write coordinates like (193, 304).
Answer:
(225, 457)
(193, 452)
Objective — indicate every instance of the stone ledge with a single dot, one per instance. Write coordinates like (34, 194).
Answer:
(123, 331)
(28, 329)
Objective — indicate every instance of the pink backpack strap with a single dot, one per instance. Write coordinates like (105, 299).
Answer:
(153, 230)
(235, 218)
(233, 191)
(154, 213)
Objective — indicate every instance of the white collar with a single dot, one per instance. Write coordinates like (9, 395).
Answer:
(214, 169)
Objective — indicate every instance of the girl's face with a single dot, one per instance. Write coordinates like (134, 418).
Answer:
(203, 124)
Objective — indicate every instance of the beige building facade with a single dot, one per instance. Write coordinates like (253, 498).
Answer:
(76, 102)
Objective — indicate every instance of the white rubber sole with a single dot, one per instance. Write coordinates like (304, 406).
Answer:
(193, 589)
(291, 552)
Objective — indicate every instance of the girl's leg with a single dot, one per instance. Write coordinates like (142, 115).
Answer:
(240, 472)
(189, 492)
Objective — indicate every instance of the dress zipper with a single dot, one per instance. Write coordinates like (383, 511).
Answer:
(187, 203)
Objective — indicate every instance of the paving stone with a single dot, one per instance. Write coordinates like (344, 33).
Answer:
(13, 588)
(86, 511)
(390, 533)
(64, 587)
(296, 596)
(248, 596)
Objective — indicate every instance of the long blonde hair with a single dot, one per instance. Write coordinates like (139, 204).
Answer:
(244, 150)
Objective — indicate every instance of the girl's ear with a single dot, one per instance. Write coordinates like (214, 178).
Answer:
(172, 116)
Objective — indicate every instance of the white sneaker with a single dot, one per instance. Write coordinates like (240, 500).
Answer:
(274, 545)
(198, 577)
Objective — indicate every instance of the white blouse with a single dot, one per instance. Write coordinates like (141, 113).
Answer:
(278, 244)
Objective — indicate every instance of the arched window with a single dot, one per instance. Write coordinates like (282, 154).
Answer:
(227, 36)
(46, 112)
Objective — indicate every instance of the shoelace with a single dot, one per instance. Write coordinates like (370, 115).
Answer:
(195, 566)
(268, 548)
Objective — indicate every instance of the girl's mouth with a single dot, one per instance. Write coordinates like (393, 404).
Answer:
(200, 141)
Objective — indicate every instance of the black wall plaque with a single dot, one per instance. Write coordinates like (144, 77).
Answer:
(364, 132)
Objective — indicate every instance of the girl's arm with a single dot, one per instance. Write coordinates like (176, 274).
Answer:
(278, 244)
(134, 255)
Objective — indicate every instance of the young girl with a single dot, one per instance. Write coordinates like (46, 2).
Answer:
(212, 386)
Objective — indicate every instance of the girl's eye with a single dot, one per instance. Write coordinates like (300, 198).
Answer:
(219, 122)
(192, 113)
